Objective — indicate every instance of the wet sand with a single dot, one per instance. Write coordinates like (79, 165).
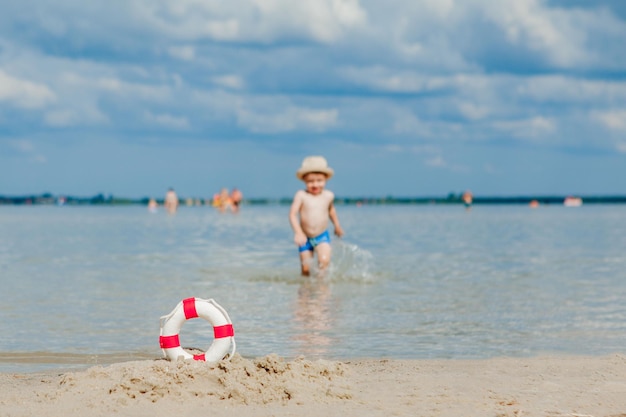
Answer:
(272, 386)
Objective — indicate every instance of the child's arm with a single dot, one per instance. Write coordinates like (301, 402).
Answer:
(332, 213)
(298, 237)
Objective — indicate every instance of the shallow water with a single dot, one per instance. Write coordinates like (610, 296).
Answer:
(87, 285)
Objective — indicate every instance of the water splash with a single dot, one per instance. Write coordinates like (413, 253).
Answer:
(351, 263)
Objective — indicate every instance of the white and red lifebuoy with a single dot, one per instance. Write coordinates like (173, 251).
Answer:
(224, 336)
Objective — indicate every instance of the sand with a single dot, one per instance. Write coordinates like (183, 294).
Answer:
(272, 386)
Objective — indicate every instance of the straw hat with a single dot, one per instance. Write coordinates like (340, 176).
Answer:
(314, 164)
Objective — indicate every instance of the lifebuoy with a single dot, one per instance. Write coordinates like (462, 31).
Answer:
(224, 335)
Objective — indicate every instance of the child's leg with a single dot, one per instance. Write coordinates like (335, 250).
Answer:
(305, 262)
(323, 255)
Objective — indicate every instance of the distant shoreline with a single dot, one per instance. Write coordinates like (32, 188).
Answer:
(100, 199)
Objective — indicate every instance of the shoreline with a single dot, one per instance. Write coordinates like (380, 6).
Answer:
(269, 385)
(195, 201)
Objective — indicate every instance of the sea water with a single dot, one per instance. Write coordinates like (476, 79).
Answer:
(85, 285)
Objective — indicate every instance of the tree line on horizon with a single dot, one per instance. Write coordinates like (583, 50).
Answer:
(451, 198)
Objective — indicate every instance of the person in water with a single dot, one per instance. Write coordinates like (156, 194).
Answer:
(235, 197)
(309, 213)
(222, 201)
(468, 199)
(171, 201)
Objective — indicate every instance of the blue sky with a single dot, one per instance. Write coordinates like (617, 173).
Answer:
(403, 97)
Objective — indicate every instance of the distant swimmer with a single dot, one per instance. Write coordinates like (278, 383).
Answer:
(152, 205)
(222, 201)
(171, 201)
(309, 213)
(235, 198)
(468, 199)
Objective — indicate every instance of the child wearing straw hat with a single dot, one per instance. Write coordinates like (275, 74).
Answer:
(310, 211)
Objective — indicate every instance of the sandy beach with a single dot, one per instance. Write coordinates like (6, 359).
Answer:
(272, 386)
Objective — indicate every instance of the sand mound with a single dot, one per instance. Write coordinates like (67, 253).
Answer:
(271, 386)
(262, 380)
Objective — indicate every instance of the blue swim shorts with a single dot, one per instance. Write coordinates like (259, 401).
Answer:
(312, 242)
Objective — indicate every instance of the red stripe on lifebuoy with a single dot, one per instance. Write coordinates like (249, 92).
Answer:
(223, 331)
(189, 306)
(199, 357)
(168, 342)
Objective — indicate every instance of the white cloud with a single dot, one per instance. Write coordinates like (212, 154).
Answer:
(22, 145)
(532, 128)
(27, 150)
(39, 158)
(417, 72)
(218, 104)
(123, 88)
(437, 162)
(323, 20)
(185, 53)
(291, 119)
(391, 80)
(23, 93)
(79, 115)
(405, 122)
(224, 30)
(469, 35)
(394, 148)
(167, 120)
(91, 85)
(473, 111)
(530, 24)
(61, 118)
(612, 119)
(257, 21)
(233, 82)
(570, 89)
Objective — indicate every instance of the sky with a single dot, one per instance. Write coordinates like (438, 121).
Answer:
(403, 97)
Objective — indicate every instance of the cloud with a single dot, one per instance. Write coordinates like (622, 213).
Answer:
(60, 118)
(572, 90)
(473, 111)
(549, 33)
(167, 120)
(185, 53)
(405, 122)
(86, 115)
(120, 87)
(288, 120)
(24, 148)
(255, 21)
(437, 162)
(93, 98)
(23, 93)
(613, 120)
(22, 145)
(394, 81)
(533, 128)
(497, 36)
(423, 77)
(231, 81)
